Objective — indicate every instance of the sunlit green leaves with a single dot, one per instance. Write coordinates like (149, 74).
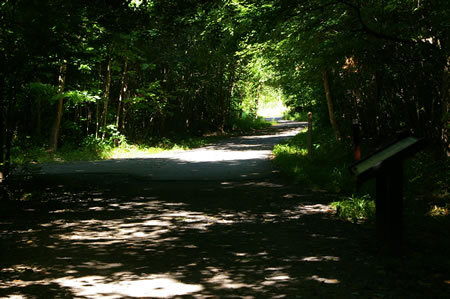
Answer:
(355, 209)
(85, 67)
(78, 97)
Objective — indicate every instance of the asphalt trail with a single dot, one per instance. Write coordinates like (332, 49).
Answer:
(215, 222)
(245, 157)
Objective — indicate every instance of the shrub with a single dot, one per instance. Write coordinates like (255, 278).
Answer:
(249, 123)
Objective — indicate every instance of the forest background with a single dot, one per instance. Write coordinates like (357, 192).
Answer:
(90, 74)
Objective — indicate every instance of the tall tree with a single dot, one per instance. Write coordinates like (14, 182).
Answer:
(106, 94)
(53, 145)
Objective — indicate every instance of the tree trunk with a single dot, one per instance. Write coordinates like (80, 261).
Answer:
(7, 122)
(123, 90)
(88, 118)
(97, 118)
(124, 116)
(38, 117)
(97, 104)
(228, 95)
(326, 86)
(8, 143)
(2, 129)
(106, 96)
(445, 123)
(53, 145)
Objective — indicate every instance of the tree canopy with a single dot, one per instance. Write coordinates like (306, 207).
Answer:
(71, 70)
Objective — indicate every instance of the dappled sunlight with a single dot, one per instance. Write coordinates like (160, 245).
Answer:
(275, 278)
(128, 285)
(223, 155)
(113, 231)
(223, 280)
(324, 280)
(160, 242)
(321, 259)
(263, 184)
(156, 220)
(308, 209)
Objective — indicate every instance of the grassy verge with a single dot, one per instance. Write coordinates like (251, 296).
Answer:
(327, 169)
(92, 149)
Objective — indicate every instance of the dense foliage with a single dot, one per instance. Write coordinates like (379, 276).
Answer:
(76, 71)
(384, 63)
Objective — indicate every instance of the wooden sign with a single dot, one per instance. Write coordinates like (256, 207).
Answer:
(395, 150)
(386, 165)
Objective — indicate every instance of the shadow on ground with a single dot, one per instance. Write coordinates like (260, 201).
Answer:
(117, 236)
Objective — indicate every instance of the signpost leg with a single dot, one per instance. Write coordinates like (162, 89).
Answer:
(389, 206)
(356, 140)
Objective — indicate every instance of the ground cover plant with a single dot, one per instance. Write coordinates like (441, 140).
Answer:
(355, 208)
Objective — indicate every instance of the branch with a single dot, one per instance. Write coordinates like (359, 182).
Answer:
(374, 33)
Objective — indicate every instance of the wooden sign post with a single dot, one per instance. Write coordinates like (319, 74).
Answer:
(386, 165)
(356, 140)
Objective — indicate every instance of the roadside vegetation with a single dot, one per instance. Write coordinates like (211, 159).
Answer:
(116, 146)
(426, 176)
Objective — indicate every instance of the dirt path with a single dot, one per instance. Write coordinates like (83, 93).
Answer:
(123, 235)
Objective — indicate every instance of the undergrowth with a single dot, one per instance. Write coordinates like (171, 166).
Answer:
(248, 123)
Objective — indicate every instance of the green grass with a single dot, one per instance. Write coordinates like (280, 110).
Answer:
(93, 149)
(327, 169)
(64, 154)
(126, 150)
(355, 209)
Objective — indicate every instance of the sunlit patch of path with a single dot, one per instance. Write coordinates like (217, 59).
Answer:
(128, 285)
(246, 157)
